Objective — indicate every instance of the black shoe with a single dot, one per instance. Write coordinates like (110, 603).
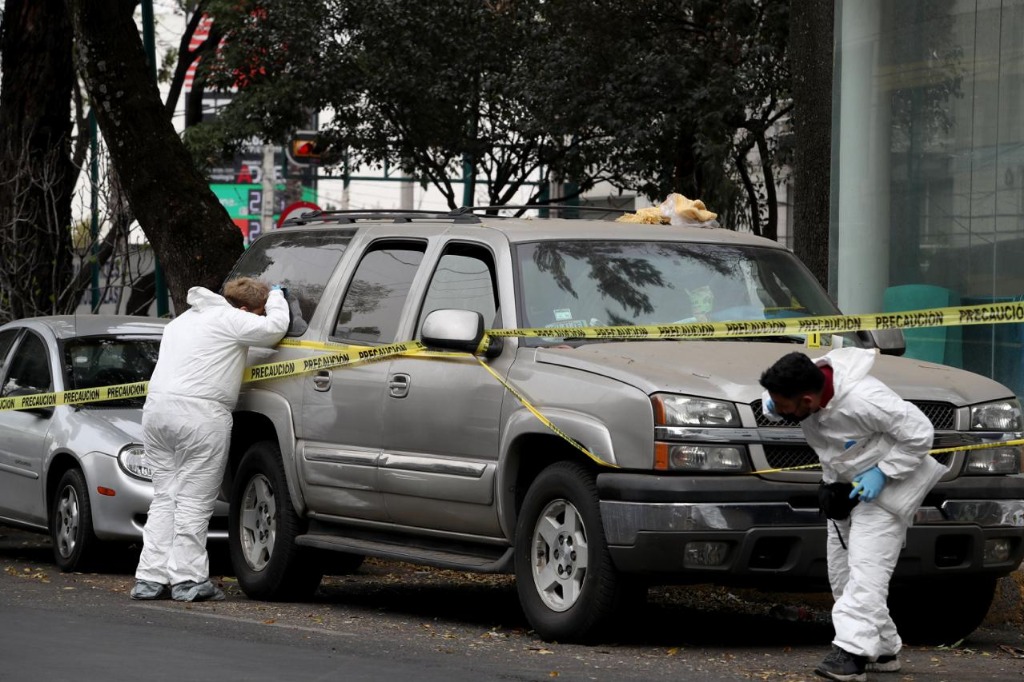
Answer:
(843, 666)
(884, 664)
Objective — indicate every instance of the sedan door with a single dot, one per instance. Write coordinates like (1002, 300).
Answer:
(23, 433)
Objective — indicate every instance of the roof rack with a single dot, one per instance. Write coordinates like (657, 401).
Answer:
(468, 210)
(398, 215)
(464, 214)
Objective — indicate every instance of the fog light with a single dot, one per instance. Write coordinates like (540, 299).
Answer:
(997, 550)
(706, 553)
(994, 461)
(707, 458)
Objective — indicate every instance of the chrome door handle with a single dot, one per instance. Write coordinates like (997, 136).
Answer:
(322, 381)
(398, 385)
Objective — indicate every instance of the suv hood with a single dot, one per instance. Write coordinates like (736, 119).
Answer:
(730, 370)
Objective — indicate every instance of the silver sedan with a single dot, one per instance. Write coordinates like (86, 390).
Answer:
(77, 472)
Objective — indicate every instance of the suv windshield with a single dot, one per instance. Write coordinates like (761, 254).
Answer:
(597, 283)
(95, 361)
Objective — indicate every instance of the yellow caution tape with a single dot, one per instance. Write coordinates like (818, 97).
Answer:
(75, 396)
(343, 356)
(995, 313)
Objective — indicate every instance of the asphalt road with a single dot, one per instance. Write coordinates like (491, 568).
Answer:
(393, 621)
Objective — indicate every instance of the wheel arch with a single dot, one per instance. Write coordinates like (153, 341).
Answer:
(528, 446)
(264, 415)
(55, 470)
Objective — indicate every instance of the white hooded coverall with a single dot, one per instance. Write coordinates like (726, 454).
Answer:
(896, 436)
(187, 426)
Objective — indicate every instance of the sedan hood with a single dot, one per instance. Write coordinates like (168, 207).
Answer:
(101, 429)
(730, 370)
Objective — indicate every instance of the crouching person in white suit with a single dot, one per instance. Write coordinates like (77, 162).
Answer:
(187, 428)
(868, 437)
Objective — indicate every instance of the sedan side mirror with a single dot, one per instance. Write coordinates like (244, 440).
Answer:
(459, 330)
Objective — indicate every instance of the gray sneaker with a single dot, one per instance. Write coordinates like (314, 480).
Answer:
(193, 591)
(147, 590)
(884, 664)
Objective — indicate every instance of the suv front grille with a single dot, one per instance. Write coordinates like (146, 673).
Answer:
(941, 415)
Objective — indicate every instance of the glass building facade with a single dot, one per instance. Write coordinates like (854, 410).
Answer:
(928, 169)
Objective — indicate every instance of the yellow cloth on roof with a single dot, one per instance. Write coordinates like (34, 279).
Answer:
(647, 216)
(675, 210)
(692, 210)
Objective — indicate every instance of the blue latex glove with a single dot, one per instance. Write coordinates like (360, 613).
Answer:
(868, 484)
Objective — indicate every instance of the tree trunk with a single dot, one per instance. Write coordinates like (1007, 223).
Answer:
(811, 54)
(190, 232)
(36, 175)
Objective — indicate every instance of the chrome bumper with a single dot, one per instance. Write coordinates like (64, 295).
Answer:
(624, 521)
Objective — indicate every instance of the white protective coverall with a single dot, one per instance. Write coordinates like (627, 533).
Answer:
(896, 436)
(187, 426)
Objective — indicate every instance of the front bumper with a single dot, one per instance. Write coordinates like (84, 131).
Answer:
(773, 529)
(122, 516)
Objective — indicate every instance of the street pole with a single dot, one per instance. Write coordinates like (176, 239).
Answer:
(149, 41)
(267, 203)
(94, 205)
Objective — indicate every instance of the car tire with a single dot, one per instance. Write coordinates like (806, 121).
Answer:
(262, 529)
(568, 587)
(75, 545)
(935, 612)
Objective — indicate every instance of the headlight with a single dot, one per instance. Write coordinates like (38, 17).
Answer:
(690, 457)
(1000, 416)
(993, 461)
(132, 460)
(680, 410)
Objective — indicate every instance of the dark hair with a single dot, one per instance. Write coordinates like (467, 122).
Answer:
(793, 374)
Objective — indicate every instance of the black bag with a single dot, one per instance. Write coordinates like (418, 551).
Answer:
(834, 500)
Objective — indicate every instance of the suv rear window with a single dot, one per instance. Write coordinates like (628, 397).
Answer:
(302, 262)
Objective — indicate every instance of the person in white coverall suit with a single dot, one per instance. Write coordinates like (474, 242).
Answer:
(186, 426)
(865, 435)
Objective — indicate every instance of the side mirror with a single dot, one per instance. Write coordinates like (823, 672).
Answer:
(888, 341)
(459, 330)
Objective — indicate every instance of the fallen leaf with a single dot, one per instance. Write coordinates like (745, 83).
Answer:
(1014, 651)
(269, 621)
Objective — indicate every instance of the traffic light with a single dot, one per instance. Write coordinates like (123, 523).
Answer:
(303, 149)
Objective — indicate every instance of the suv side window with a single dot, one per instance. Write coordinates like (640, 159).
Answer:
(372, 306)
(464, 279)
(29, 370)
(300, 261)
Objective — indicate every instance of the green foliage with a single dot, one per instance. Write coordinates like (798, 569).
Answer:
(652, 95)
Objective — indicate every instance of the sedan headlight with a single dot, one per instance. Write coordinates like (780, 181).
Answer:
(132, 460)
(681, 410)
(1004, 415)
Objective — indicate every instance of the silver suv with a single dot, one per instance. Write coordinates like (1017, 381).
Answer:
(432, 460)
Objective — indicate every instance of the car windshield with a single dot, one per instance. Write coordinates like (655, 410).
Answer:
(598, 283)
(95, 361)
